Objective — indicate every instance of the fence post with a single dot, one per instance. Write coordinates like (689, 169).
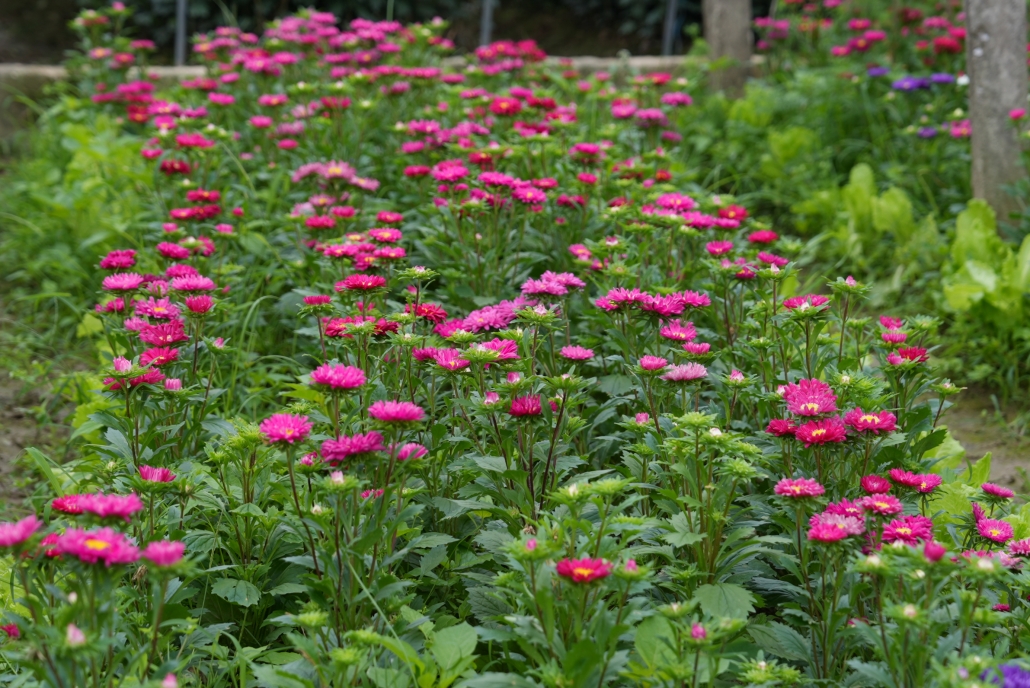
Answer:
(669, 28)
(996, 64)
(486, 22)
(727, 25)
(180, 32)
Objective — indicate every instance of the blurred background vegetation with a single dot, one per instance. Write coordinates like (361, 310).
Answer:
(37, 30)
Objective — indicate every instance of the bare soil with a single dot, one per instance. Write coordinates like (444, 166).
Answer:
(980, 426)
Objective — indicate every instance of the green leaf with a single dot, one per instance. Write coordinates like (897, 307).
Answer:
(493, 679)
(43, 462)
(782, 640)
(654, 640)
(430, 540)
(725, 600)
(288, 589)
(892, 212)
(273, 677)
(1023, 264)
(236, 591)
(681, 536)
(453, 644)
(89, 326)
(389, 678)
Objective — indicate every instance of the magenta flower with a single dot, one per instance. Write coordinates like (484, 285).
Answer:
(411, 451)
(828, 430)
(338, 377)
(997, 491)
(123, 281)
(826, 532)
(910, 530)
(396, 412)
(798, 488)
(687, 372)
(881, 504)
(156, 475)
(873, 423)
(12, 534)
(361, 283)
(335, 451)
(653, 363)
(110, 506)
(576, 353)
(678, 333)
(190, 283)
(285, 428)
(95, 546)
(995, 530)
(527, 406)
(781, 427)
(583, 570)
(118, 260)
(810, 398)
(874, 484)
(164, 553)
(450, 359)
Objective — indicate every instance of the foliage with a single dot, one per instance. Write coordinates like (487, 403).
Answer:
(402, 376)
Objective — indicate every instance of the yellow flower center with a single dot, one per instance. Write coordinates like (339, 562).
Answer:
(869, 419)
(994, 532)
(818, 433)
(905, 531)
(97, 545)
(584, 573)
(810, 407)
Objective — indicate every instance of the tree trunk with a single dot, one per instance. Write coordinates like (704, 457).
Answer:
(996, 64)
(727, 25)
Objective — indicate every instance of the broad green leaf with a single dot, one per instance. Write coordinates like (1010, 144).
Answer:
(89, 326)
(782, 640)
(288, 589)
(652, 641)
(389, 678)
(725, 600)
(892, 212)
(1023, 264)
(273, 677)
(236, 591)
(453, 644)
(493, 679)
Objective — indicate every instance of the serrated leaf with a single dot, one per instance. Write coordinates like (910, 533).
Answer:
(288, 589)
(236, 591)
(725, 600)
(782, 641)
(453, 644)
(654, 640)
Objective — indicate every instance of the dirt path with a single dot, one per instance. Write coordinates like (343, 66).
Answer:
(18, 430)
(976, 423)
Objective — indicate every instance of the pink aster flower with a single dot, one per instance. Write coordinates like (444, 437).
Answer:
(450, 359)
(826, 532)
(396, 412)
(156, 475)
(801, 303)
(881, 504)
(719, 248)
(12, 534)
(118, 260)
(997, 491)
(335, 451)
(361, 283)
(95, 546)
(411, 451)
(522, 407)
(798, 488)
(285, 428)
(653, 363)
(337, 377)
(1019, 548)
(583, 570)
(859, 420)
(576, 353)
(995, 530)
(678, 333)
(163, 553)
(193, 283)
(158, 356)
(922, 482)
(810, 398)
(123, 281)
(874, 484)
(822, 431)
(781, 427)
(68, 504)
(198, 305)
(687, 372)
(910, 530)
(110, 506)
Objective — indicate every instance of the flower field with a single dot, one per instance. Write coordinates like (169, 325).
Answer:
(403, 374)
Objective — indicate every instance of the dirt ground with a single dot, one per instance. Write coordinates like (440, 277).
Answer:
(982, 427)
